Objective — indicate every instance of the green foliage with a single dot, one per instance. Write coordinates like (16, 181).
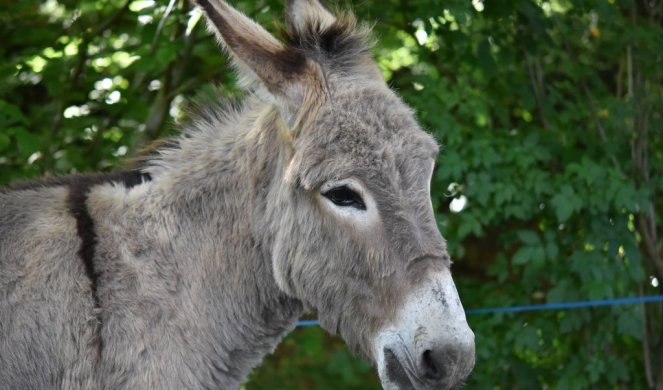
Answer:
(549, 117)
(310, 359)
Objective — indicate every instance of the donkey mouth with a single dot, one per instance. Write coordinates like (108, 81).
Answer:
(400, 373)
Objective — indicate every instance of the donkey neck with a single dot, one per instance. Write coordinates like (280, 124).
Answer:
(192, 256)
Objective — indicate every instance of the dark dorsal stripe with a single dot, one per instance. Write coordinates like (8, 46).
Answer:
(127, 178)
(79, 188)
(85, 228)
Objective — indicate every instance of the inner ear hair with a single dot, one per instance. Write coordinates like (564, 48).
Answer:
(253, 48)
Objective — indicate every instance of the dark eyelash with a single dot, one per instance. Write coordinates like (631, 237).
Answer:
(345, 197)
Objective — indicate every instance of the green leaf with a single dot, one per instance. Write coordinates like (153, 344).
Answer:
(528, 237)
(522, 256)
(566, 202)
(469, 224)
(552, 250)
(26, 141)
(629, 323)
(4, 141)
(10, 114)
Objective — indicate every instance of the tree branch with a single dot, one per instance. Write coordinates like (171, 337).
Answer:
(599, 126)
(538, 86)
(172, 78)
(81, 60)
(645, 341)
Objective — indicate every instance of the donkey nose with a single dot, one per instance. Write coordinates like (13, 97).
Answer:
(433, 365)
(448, 364)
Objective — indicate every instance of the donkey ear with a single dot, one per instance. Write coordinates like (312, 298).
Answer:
(302, 13)
(258, 56)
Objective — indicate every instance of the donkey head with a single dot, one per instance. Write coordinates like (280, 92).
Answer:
(353, 231)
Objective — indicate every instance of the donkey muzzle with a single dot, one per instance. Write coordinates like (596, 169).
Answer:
(429, 345)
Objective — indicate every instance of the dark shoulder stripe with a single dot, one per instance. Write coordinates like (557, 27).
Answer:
(79, 188)
(78, 194)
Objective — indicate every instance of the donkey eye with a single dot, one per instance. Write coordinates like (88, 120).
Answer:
(345, 197)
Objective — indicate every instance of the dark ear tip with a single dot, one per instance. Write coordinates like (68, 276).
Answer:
(206, 6)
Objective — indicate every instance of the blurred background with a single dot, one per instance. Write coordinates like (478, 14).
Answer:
(548, 188)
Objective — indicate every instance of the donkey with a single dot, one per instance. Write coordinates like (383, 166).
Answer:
(184, 272)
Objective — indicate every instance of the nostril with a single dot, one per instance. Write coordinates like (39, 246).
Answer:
(433, 367)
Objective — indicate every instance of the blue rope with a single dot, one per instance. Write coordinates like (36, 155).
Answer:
(308, 323)
(545, 306)
(567, 305)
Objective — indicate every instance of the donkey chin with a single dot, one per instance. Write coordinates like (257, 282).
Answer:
(429, 345)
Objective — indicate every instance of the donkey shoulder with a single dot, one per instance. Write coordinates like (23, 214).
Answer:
(44, 218)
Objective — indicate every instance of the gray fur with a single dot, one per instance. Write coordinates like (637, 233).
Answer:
(201, 270)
